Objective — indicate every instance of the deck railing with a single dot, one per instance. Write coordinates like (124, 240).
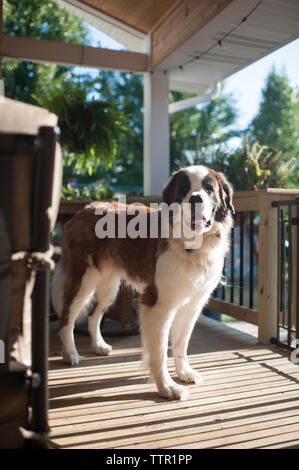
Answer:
(253, 268)
(256, 226)
(287, 271)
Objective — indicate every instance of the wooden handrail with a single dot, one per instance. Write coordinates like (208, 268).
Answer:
(243, 200)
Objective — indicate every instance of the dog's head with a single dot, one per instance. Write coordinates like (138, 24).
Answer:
(205, 193)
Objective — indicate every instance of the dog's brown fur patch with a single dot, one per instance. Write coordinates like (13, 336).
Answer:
(80, 246)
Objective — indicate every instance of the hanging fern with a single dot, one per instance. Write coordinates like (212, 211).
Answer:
(91, 129)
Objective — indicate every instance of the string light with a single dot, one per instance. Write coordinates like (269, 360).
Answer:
(219, 43)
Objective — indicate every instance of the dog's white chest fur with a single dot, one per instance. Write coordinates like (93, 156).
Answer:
(182, 275)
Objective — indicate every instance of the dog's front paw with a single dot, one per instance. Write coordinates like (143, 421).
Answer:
(174, 392)
(102, 350)
(71, 358)
(189, 375)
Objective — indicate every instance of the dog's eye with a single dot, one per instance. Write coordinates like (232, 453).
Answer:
(209, 188)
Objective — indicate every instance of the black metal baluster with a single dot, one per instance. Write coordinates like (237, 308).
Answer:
(282, 267)
(286, 271)
(290, 273)
(241, 272)
(224, 279)
(232, 265)
(297, 270)
(251, 260)
(279, 232)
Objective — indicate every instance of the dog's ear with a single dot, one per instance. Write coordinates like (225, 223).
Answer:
(177, 187)
(227, 187)
(226, 197)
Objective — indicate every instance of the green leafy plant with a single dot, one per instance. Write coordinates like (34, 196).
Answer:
(91, 128)
(251, 167)
(87, 193)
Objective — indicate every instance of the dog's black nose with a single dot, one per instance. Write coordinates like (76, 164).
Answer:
(195, 199)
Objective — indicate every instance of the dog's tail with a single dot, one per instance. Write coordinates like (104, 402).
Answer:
(57, 293)
(57, 285)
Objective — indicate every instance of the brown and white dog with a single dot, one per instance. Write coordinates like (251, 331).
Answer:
(174, 282)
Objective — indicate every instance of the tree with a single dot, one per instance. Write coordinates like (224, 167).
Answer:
(91, 127)
(126, 90)
(196, 130)
(268, 156)
(39, 20)
(275, 123)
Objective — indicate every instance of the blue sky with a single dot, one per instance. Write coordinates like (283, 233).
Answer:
(246, 85)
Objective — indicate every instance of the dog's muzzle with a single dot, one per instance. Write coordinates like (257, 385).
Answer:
(198, 222)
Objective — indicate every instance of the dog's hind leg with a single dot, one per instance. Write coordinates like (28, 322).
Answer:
(106, 293)
(77, 292)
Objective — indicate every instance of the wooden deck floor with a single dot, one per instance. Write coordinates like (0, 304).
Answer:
(249, 397)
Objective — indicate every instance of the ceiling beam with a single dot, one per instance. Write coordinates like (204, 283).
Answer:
(61, 53)
(181, 24)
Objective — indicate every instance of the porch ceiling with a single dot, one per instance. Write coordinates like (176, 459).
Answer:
(142, 15)
(183, 29)
(272, 25)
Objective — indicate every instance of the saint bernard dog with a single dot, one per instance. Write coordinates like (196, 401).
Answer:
(174, 278)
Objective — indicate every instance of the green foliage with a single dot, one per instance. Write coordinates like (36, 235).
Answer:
(276, 123)
(269, 154)
(102, 120)
(253, 166)
(125, 90)
(196, 129)
(40, 20)
(91, 129)
(88, 193)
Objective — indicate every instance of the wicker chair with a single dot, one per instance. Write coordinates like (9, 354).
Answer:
(30, 174)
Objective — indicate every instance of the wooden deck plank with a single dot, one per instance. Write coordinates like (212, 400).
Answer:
(108, 437)
(249, 440)
(210, 432)
(249, 397)
(149, 414)
(201, 437)
(104, 409)
(286, 407)
(211, 405)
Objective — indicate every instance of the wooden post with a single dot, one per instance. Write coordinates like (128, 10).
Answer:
(2, 89)
(268, 268)
(1, 20)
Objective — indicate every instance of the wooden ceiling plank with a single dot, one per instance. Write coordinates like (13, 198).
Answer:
(141, 15)
(182, 24)
(114, 13)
